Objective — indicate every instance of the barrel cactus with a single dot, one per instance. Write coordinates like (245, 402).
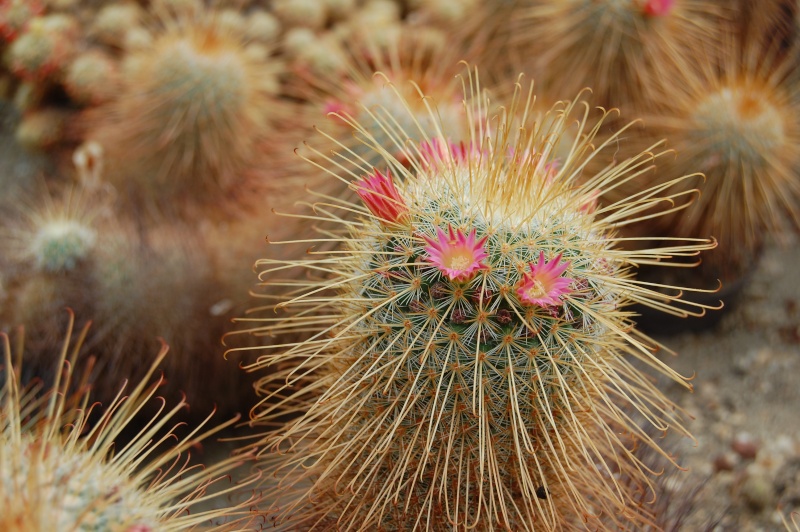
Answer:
(737, 122)
(464, 360)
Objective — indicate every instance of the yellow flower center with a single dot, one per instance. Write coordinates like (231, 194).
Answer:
(536, 291)
(460, 260)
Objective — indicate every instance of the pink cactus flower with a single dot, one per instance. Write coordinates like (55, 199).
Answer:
(589, 206)
(658, 8)
(457, 255)
(336, 109)
(381, 197)
(543, 285)
(438, 152)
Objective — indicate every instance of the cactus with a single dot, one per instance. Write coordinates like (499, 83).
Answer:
(59, 246)
(60, 468)
(187, 119)
(466, 360)
(44, 48)
(69, 250)
(415, 62)
(306, 13)
(56, 235)
(48, 254)
(15, 16)
(40, 129)
(736, 122)
(92, 78)
(111, 23)
(615, 47)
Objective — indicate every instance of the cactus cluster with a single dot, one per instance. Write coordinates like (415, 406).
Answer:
(459, 345)
(466, 363)
(132, 254)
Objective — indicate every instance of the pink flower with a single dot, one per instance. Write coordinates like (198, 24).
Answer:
(658, 8)
(381, 197)
(544, 285)
(437, 152)
(590, 203)
(336, 109)
(457, 255)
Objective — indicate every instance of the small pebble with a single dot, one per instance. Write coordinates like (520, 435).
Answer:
(757, 492)
(725, 462)
(745, 446)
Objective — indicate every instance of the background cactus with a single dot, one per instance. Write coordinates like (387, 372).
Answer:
(186, 122)
(466, 364)
(92, 77)
(44, 48)
(421, 63)
(615, 47)
(64, 464)
(15, 16)
(72, 252)
(736, 122)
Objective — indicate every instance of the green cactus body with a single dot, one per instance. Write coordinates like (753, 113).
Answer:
(61, 245)
(466, 361)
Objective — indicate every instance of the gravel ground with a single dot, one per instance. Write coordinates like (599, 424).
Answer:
(746, 402)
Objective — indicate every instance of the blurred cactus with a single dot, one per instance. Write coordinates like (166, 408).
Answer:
(44, 48)
(112, 22)
(60, 245)
(43, 128)
(51, 245)
(737, 124)
(466, 360)
(190, 110)
(68, 250)
(61, 471)
(419, 63)
(614, 47)
(15, 15)
(92, 78)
